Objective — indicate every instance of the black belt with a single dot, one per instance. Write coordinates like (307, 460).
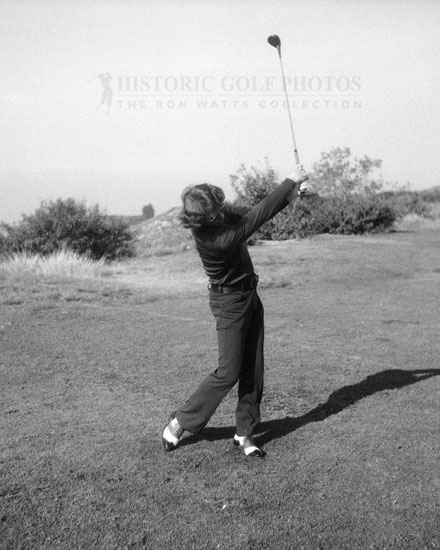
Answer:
(246, 285)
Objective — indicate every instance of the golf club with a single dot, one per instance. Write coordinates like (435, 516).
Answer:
(275, 41)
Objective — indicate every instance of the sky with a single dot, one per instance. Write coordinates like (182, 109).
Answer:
(125, 103)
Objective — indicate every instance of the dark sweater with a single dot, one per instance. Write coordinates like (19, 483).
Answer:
(223, 249)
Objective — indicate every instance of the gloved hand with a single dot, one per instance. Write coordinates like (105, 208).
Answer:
(303, 188)
(298, 176)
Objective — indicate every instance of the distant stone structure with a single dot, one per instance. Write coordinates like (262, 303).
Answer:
(148, 212)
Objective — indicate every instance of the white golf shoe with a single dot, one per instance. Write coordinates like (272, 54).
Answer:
(248, 446)
(172, 433)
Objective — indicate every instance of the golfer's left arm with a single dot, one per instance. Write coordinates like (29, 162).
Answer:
(273, 203)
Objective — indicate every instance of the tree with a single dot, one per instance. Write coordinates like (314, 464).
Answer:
(336, 174)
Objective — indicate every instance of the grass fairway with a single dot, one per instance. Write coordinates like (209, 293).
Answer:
(91, 368)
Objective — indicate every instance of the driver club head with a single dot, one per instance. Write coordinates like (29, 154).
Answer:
(274, 40)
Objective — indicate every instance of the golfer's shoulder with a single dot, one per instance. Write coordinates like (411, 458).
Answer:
(236, 212)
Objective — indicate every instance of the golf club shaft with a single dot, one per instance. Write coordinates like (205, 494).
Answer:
(295, 150)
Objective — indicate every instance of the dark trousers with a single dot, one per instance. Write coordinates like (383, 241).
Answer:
(240, 330)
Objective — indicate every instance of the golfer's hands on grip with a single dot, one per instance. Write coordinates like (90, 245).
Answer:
(299, 175)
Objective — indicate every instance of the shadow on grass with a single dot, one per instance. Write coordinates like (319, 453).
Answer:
(344, 397)
(338, 401)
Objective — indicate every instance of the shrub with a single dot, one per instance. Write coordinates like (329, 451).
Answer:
(407, 202)
(313, 214)
(431, 195)
(68, 224)
(347, 201)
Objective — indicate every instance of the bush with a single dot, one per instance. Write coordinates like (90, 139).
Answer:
(347, 202)
(313, 214)
(431, 195)
(68, 224)
(406, 202)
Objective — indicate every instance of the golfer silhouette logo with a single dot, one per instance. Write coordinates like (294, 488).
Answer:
(107, 92)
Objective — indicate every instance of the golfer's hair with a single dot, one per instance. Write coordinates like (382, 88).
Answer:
(201, 204)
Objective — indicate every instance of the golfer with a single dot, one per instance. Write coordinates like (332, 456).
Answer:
(220, 231)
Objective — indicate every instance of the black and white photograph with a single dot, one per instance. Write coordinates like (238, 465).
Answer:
(219, 275)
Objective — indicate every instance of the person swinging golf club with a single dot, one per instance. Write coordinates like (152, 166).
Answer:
(220, 231)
